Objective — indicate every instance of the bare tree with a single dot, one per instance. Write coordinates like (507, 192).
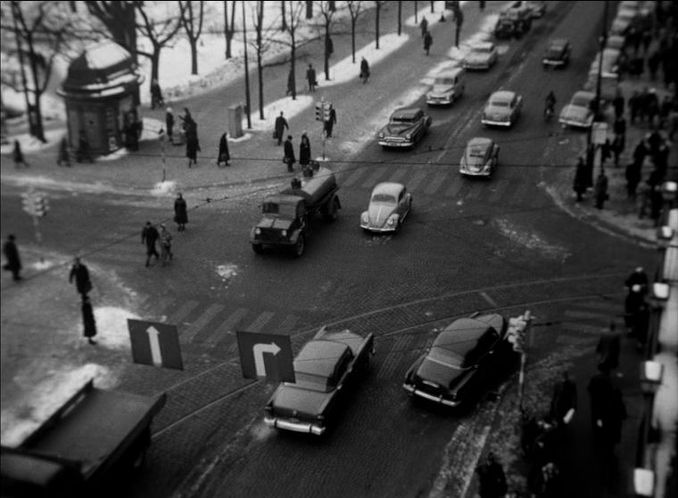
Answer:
(260, 45)
(193, 30)
(283, 16)
(327, 14)
(158, 31)
(229, 30)
(400, 17)
(378, 5)
(295, 10)
(432, 7)
(416, 12)
(40, 30)
(354, 11)
(119, 19)
(309, 9)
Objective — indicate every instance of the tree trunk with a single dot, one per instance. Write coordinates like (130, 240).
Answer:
(194, 56)
(400, 17)
(293, 58)
(37, 129)
(327, 54)
(416, 13)
(260, 64)
(376, 26)
(432, 9)
(226, 37)
(332, 6)
(155, 62)
(283, 27)
(353, 21)
(309, 10)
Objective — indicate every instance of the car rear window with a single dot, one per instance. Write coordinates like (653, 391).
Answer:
(580, 101)
(476, 151)
(384, 198)
(443, 81)
(499, 103)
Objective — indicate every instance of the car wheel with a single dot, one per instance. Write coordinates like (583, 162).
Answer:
(300, 246)
(257, 248)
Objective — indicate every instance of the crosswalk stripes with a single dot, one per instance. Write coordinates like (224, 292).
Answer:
(197, 326)
(399, 174)
(260, 322)
(396, 354)
(414, 183)
(435, 183)
(354, 177)
(374, 177)
(224, 332)
(182, 312)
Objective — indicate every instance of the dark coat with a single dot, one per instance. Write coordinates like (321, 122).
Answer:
(12, 254)
(600, 390)
(580, 182)
(608, 349)
(311, 76)
(364, 68)
(304, 152)
(192, 147)
(564, 398)
(80, 273)
(169, 123)
(329, 124)
(289, 152)
(280, 125)
(224, 155)
(18, 155)
(491, 480)
(180, 211)
(89, 324)
(149, 235)
(428, 40)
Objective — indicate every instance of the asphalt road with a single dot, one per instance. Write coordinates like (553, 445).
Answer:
(469, 245)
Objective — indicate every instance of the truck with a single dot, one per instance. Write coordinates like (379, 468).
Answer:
(286, 216)
(87, 443)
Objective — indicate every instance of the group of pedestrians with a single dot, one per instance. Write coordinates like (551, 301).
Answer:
(151, 235)
(426, 35)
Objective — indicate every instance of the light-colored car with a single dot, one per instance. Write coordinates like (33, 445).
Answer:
(616, 42)
(447, 87)
(390, 203)
(480, 157)
(557, 53)
(578, 112)
(610, 65)
(537, 9)
(405, 127)
(502, 109)
(483, 55)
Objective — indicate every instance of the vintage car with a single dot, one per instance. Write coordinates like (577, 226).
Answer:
(390, 203)
(578, 112)
(447, 87)
(463, 361)
(616, 42)
(480, 157)
(537, 8)
(325, 368)
(482, 55)
(514, 21)
(502, 109)
(557, 54)
(405, 128)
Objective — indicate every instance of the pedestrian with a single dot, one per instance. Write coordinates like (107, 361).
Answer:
(83, 148)
(11, 252)
(311, 78)
(18, 156)
(605, 151)
(640, 324)
(289, 158)
(563, 401)
(580, 182)
(614, 420)
(653, 64)
(149, 235)
(608, 348)
(423, 25)
(180, 213)
(64, 157)
(428, 41)
(223, 155)
(156, 94)
(634, 106)
(88, 321)
(364, 70)
(633, 176)
(165, 245)
(619, 129)
(619, 104)
(169, 123)
(132, 131)
(192, 148)
(80, 273)
(280, 127)
(600, 393)
(617, 148)
(304, 151)
(290, 83)
(491, 478)
(331, 121)
(600, 189)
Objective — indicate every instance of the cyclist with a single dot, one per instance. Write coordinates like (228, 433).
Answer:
(550, 107)
(165, 245)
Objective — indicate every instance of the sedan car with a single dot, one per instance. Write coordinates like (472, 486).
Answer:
(390, 203)
(324, 367)
(578, 112)
(462, 361)
(480, 157)
(537, 8)
(447, 87)
(503, 109)
(481, 56)
(557, 54)
(405, 128)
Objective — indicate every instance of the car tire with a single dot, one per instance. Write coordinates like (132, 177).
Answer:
(257, 248)
(300, 246)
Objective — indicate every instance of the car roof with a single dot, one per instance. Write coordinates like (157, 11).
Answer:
(391, 188)
(558, 42)
(461, 335)
(406, 112)
(502, 95)
(284, 199)
(450, 73)
(319, 357)
(483, 45)
(584, 94)
(479, 141)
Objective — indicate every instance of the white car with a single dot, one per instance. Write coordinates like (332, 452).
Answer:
(503, 109)
(481, 56)
(447, 87)
(578, 112)
(480, 157)
(390, 203)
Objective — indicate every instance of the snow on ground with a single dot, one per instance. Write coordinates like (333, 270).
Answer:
(112, 329)
(165, 188)
(43, 398)
(289, 107)
(530, 240)
(31, 144)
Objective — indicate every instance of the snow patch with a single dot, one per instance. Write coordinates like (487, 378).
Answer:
(31, 144)
(227, 272)
(164, 188)
(261, 432)
(531, 240)
(112, 327)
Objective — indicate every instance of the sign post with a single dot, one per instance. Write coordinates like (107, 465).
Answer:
(518, 327)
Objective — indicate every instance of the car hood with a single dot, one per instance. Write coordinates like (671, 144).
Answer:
(442, 375)
(576, 113)
(292, 401)
(398, 129)
(276, 223)
(476, 58)
(441, 89)
(378, 214)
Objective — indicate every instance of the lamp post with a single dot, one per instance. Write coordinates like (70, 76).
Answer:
(602, 41)
(247, 72)
(651, 375)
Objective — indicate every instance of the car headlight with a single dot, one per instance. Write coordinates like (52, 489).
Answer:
(392, 220)
(408, 136)
(284, 233)
(364, 218)
(381, 134)
(257, 231)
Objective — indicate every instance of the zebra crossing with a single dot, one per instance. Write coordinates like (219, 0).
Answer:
(588, 320)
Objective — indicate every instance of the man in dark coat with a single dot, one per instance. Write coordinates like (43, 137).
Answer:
(600, 390)
(423, 25)
(18, 155)
(169, 122)
(564, 401)
(491, 478)
(11, 252)
(364, 70)
(600, 189)
(88, 322)
(580, 183)
(180, 213)
(311, 78)
(280, 127)
(633, 176)
(304, 151)
(80, 274)
(149, 235)
(428, 41)
(223, 155)
(289, 158)
(331, 121)
(192, 148)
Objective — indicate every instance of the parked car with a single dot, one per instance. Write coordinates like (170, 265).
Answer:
(390, 203)
(578, 112)
(480, 157)
(463, 361)
(325, 368)
(557, 54)
(405, 128)
(514, 21)
(502, 109)
(537, 9)
(616, 42)
(447, 87)
(482, 55)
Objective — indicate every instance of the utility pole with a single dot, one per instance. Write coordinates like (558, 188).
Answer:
(590, 147)
(247, 71)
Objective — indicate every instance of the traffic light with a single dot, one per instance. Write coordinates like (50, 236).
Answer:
(319, 111)
(41, 205)
(35, 203)
(516, 333)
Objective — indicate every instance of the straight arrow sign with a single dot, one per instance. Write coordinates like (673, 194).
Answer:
(156, 355)
(258, 351)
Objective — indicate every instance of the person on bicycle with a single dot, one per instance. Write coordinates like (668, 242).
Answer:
(165, 245)
(550, 103)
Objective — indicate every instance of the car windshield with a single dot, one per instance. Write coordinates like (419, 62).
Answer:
(402, 119)
(580, 101)
(499, 103)
(476, 151)
(279, 210)
(445, 357)
(383, 198)
(481, 50)
(555, 51)
(310, 382)
(443, 81)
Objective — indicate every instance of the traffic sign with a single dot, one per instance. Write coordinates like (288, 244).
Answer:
(599, 132)
(322, 110)
(35, 203)
(265, 355)
(155, 343)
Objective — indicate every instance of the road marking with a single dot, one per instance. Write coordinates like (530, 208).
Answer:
(587, 314)
(435, 183)
(354, 177)
(183, 311)
(372, 179)
(418, 178)
(455, 188)
(225, 330)
(287, 324)
(260, 321)
(487, 298)
(399, 174)
(193, 329)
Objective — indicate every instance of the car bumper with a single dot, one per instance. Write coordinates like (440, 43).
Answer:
(290, 425)
(385, 142)
(436, 399)
(550, 62)
(573, 123)
(476, 67)
(439, 100)
(492, 122)
(383, 229)
(483, 172)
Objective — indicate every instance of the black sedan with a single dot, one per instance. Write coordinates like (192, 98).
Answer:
(557, 54)
(463, 361)
(324, 367)
(405, 128)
